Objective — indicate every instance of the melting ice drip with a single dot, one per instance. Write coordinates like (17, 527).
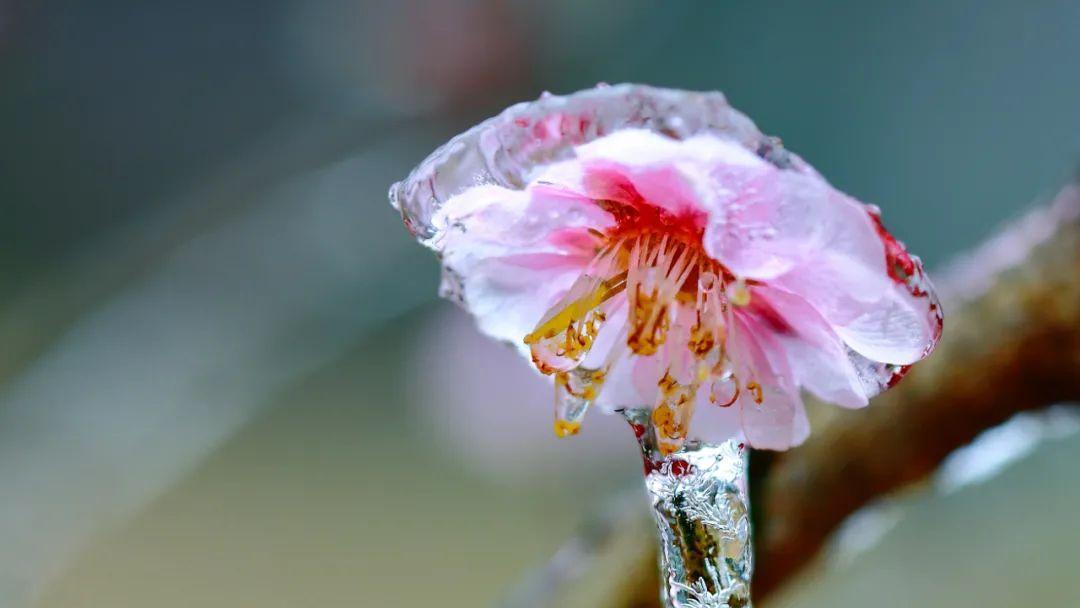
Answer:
(699, 501)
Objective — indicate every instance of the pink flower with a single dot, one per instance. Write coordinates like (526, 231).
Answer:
(691, 275)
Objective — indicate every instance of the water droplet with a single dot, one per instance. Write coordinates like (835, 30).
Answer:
(724, 390)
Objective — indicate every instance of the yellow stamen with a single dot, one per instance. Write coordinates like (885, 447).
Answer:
(574, 392)
(738, 293)
(703, 372)
(756, 391)
(565, 319)
(671, 287)
(671, 416)
(702, 338)
(565, 428)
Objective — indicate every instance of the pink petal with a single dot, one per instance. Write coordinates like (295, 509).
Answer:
(516, 218)
(712, 423)
(639, 167)
(816, 355)
(780, 219)
(779, 421)
(508, 299)
(870, 312)
(515, 252)
(633, 381)
(669, 188)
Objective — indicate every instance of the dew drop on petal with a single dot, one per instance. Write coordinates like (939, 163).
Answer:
(724, 390)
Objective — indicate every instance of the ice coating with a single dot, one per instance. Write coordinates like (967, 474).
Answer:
(700, 506)
(506, 149)
(648, 246)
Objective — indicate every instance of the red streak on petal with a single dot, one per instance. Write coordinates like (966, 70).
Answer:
(897, 260)
(576, 240)
(633, 214)
(907, 270)
(764, 311)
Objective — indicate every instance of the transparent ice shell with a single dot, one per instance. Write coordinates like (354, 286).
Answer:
(506, 149)
(698, 494)
(699, 502)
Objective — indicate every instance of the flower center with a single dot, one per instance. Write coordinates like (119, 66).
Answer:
(651, 294)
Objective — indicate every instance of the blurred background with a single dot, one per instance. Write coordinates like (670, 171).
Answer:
(225, 379)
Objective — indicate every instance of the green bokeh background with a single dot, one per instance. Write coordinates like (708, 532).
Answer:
(162, 147)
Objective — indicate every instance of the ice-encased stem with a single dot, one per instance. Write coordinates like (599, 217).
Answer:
(699, 501)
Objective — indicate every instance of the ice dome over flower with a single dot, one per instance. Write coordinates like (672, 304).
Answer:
(651, 248)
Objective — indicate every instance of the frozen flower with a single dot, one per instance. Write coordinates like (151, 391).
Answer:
(691, 273)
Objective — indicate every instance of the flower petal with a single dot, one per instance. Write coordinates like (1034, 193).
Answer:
(712, 423)
(641, 168)
(870, 312)
(779, 421)
(816, 355)
(779, 219)
(896, 330)
(514, 253)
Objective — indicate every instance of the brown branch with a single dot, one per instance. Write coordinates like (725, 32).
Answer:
(1011, 344)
